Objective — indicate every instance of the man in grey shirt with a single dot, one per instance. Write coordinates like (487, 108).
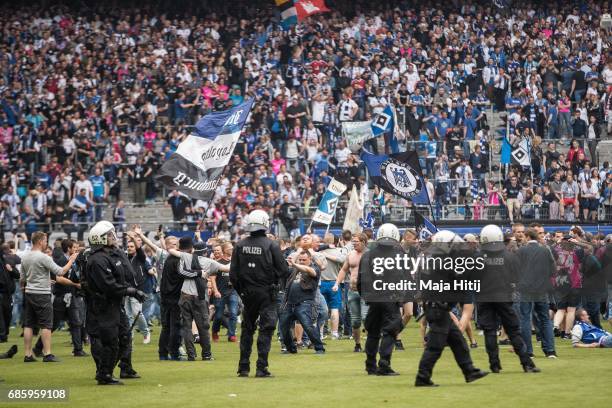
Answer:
(35, 277)
(194, 295)
(335, 259)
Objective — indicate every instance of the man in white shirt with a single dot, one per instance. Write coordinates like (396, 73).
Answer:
(464, 176)
(342, 154)
(347, 109)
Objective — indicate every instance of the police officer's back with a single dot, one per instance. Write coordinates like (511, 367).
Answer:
(106, 286)
(498, 277)
(256, 268)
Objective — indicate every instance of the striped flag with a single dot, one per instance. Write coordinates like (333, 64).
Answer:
(200, 160)
(288, 13)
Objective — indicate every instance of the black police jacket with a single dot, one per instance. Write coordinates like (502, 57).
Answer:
(368, 272)
(105, 275)
(499, 275)
(257, 263)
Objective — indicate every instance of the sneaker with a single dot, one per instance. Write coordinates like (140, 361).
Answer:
(531, 355)
(128, 374)
(552, 355)
(232, 339)
(37, 352)
(474, 345)
(208, 357)
(108, 380)
(399, 345)
(496, 369)
(12, 351)
(79, 353)
(243, 373)
(29, 359)
(387, 371)
(50, 358)
(531, 369)
(357, 348)
(320, 351)
(557, 332)
(182, 351)
(263, 373)
(215, 337)
(147, 338)
(164, 358)
(424, 382)
(475, 375)
(335, 337)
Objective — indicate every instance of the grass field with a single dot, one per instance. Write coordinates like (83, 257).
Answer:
(579, 377)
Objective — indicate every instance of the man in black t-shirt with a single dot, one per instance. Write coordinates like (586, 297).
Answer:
(298, 305)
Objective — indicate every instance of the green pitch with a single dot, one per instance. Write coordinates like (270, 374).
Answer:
(580, 377)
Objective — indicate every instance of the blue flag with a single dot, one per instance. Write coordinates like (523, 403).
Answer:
(384, 122)
(424, 227)
(399, 174)
(368, 222)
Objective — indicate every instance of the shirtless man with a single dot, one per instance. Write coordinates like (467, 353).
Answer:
(357, 307)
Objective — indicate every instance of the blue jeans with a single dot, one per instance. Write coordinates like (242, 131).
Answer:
(133, 308)
(150, 307)
(542, 323)
(301, 313)
(17, 306)
(231, 300)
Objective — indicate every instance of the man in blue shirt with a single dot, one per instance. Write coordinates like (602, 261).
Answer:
(100, 192)
(586, 335)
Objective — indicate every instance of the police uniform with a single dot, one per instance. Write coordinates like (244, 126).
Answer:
(383, 321)
(495, 304)
(257, 267)
(443, 331)
(107, 323)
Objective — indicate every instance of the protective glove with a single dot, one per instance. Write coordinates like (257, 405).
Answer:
(139, 295)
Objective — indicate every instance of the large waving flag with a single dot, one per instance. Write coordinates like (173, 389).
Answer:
(399, 174)
(197, 165)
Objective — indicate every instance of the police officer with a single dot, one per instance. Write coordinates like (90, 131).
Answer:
(495, 298)
(106, 287)
(442, 329)
(257, 267)
(383, 321)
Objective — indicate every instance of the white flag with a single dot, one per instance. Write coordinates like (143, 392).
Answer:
(354, 213)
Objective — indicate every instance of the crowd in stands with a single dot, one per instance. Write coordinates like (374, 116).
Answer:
(92, 98)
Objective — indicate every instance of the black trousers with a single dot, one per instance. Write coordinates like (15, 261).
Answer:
(443, 331)
(383, 323)
(6, 313)
(258, 304)
(111, 343)
(74, 315)
(195, 310)
(170, 336)
(489, 314)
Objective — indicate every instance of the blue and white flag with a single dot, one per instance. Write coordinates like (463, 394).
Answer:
(425, 228)
(383, 122)
(368, 223)
(329, 202)
(198, 164)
